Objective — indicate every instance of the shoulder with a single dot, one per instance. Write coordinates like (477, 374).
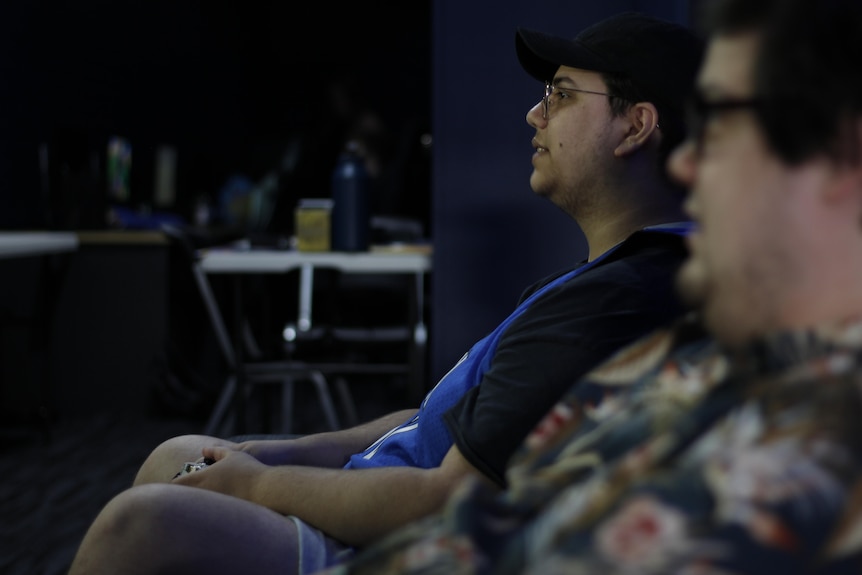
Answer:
(648, 258)
(646, 262)
(652, 243)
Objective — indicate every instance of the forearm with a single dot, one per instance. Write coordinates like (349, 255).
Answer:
(328, 449)
(354, 506)
(357, 506)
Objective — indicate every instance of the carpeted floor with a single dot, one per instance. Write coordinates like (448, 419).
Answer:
(53, 485)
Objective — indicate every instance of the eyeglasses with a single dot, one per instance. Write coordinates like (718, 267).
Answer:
(701, 112)
(554, 93)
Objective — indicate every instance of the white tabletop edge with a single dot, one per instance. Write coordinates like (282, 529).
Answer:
(215, 261)
(28, 244)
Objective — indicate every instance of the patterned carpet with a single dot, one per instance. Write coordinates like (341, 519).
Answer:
(53, 487)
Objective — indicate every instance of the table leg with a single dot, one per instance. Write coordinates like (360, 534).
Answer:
(239, 395)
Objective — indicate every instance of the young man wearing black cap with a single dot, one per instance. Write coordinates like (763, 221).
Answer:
(610, 112)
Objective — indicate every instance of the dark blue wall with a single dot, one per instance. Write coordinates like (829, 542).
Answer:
(492, 237)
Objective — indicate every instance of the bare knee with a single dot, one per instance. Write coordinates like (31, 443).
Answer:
(168, 457)
(129, 528)
(135, 508)
(166, 528)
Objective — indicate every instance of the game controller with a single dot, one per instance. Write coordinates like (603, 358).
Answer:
(192, 466)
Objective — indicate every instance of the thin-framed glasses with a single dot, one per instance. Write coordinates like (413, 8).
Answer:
(702, 111)
(554, 93)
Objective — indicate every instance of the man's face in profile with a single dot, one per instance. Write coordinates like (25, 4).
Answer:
(745, 200)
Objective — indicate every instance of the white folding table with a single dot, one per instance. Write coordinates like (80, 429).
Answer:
(241, 261)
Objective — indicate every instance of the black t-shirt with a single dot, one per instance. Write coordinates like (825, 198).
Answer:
(559, 338)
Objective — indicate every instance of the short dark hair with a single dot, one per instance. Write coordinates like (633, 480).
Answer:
(624, 92)
(807, 70)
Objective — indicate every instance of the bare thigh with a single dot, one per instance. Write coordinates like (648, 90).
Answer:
(167, 459)
(165, 528)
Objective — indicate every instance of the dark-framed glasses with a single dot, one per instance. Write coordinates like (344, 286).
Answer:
(553, 94)
(700, 112)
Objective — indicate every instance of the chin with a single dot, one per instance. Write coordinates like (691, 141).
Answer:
(731, 330)
(728, 320)
(539, 190)
(692, 283)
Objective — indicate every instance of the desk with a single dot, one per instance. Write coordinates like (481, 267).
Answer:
(239, 262)
(85, 311)
(111, 329)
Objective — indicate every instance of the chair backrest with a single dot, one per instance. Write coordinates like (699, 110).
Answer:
(184, 254)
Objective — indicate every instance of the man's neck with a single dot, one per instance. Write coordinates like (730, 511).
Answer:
(603, 233)
(631, 198)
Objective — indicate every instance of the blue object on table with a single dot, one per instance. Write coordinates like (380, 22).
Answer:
(127, 218)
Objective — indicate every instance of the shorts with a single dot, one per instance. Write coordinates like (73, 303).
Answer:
(316, 550)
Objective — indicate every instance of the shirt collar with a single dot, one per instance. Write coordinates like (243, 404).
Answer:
(782, 350)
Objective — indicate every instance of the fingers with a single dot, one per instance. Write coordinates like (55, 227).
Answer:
(215, 452)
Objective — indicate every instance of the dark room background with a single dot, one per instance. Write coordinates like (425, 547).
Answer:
(228, 85)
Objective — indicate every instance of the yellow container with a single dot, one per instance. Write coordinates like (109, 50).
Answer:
(313, 225)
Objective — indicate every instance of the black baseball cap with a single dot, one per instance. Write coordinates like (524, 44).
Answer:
(660, 57)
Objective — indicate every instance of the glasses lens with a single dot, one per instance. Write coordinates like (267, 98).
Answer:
(701, 112)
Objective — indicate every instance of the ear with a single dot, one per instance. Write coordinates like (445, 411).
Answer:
(642, 123)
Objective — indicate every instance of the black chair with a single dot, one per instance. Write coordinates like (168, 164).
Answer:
(259, 369)
(361, 326)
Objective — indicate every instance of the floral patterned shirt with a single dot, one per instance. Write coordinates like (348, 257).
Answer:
(675, 456)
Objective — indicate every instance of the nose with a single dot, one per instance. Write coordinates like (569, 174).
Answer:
(682, 163)
(534, 116)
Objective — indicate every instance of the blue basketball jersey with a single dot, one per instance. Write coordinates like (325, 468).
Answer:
(423, 441)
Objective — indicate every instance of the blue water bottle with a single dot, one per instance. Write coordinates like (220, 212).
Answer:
(350, 209)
